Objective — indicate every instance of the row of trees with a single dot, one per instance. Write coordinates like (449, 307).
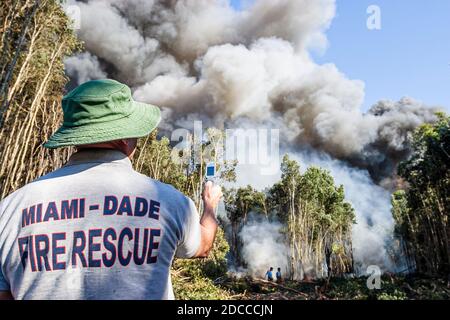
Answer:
(318, 220)
(422, 210)
(35, 38)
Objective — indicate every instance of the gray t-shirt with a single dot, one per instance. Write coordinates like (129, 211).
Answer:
(94, 229)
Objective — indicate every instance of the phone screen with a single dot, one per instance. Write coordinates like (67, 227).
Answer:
(210, 171)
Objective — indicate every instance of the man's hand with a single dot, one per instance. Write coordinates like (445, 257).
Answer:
(211, 197)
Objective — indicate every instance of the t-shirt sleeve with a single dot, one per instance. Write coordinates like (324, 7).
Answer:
(191, 231)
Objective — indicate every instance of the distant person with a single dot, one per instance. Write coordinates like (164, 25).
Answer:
(96, 220)
(269, 274)
(278, 274)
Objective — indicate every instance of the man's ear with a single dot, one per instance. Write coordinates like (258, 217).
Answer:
(131, 145)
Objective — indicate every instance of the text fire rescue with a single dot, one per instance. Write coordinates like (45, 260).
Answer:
(93, 248)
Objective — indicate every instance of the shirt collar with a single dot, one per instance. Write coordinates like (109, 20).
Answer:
(99, 156)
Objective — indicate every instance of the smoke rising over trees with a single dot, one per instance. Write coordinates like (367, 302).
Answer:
(316, 223)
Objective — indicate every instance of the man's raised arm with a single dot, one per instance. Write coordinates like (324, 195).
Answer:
(211, 197)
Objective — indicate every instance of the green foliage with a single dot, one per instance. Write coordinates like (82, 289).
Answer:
(318, 219)
(392, 288)
(239, 202)
(194, 279)
(396, 295)
(422, 210)
(198, 289)
(35, 39)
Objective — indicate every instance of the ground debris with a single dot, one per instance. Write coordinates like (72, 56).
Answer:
(393, 287)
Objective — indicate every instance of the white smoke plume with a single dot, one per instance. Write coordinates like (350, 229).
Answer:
(263, 246)
(201, 59)
(84, 67)
(372, 206)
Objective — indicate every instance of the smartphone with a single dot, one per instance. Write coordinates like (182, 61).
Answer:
(210, 171)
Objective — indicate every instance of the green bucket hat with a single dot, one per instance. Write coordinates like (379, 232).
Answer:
(102, 110)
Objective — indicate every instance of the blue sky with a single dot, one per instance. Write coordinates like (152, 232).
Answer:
(409, 56)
